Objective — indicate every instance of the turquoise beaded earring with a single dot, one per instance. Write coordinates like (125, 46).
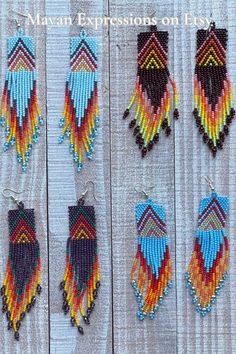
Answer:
(80, 117)
(20, 113)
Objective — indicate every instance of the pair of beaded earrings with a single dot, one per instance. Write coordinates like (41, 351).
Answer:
(20, 113)
(207, 270)
(22, 279)
(213, 98)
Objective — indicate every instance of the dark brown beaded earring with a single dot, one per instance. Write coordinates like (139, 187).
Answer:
(213, 98)
(22, 278)
(152, 91)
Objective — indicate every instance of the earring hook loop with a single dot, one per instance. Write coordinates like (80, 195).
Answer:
(11, 196)
(209, 182)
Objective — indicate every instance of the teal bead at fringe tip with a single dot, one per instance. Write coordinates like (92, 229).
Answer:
(165, 291)
(41, 120)
(170, 284)
(76, 157)
(133, 283)
(213, 299)
(160, 301)
(186, 276)
(71, 148)
(217, 292)
(221, 284)
(151, 315)
(195, 299)
(97, 121)
(193, 291)
(37, 129)
(35, 138)
(30, 146)
(13, 141)
(62, 122)
(137, 293)
(79, 166)
(5, 146)
(60, 139)
(203, 312)
(24, 166)
(67, 132)
(2, 121)
(188, 283)
(208, 308)
(225, 276)
(89, 155)
(19, 158)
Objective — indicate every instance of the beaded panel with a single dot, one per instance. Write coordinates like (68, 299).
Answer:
(213, 98)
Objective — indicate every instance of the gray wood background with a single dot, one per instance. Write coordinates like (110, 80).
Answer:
(174, 169)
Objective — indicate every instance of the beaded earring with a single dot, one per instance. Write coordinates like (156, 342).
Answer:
(152, 91)
(80, 117)
(82, 274)
(20, 113)
(22, 278)
(213, 98)
(207, 268)
(152, 270)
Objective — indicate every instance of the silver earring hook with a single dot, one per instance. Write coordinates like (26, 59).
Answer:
(143, 192)
(86, 190)
(11, 196)
(18, 25)
(209, 182)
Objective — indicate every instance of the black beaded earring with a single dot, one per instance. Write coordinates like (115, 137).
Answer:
(152, 91)
(213, 98)
(22, 278)
(82, 273)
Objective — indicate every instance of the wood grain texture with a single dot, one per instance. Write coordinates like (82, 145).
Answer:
(66, 185)
(35, 329)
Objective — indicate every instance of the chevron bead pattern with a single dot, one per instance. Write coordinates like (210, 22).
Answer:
(207, 269)
(20, 113)
(213, 98)
(151, 272)
(80, 117)
(152, 91)
(22, 279)
(82, 275)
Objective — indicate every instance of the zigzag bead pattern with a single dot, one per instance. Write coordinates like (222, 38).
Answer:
(207, 269)
(152, 270)
(80, 117)
(22, 279)
(20, 113)
(152, 91)
(82, 274)
(213, 97)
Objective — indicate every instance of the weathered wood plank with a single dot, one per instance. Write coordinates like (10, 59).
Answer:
(216, 332)
(66, 185)
(128, 171)
(34, 331)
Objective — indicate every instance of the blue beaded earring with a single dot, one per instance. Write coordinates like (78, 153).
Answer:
(20, 113)
(152, 269)
(80, 117)
(207, 268)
